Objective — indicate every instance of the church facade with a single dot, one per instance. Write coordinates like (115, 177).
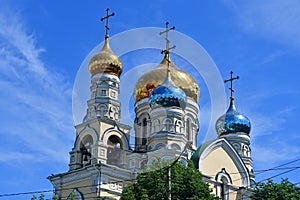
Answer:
(166, 126)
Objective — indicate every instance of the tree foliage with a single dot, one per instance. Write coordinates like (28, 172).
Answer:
(72, 196)
(276, 191)
(56, 197)
(186, 184)
(41, 197)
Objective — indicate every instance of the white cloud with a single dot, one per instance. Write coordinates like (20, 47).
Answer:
(270, 155)
(263, 125)
(13, 33)
(36, 120)
(272, 19)
(271, 142)
(16, 156)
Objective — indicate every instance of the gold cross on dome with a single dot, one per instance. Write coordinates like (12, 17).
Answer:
(168, 48)
(231, 80)
(106, 24)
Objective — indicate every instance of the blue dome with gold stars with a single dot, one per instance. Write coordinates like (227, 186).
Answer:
(167, 95)
(233, 122)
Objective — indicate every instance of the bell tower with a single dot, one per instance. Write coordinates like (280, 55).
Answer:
(105, 68)
(101, 137)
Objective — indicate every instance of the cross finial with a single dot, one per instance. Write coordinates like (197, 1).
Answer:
(231, 88)
(168, 48)
(106, 24)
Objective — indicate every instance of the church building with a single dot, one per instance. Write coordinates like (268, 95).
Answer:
(166, 126)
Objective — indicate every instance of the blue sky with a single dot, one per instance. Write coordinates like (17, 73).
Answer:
(43, 43)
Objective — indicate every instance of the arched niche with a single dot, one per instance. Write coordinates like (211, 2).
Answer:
(102, 110)
(86, 131)
(168, 125)
(117, 143)
(155, 126)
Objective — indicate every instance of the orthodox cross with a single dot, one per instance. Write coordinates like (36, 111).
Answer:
(106, 18)
(231, 80)
(168, 48)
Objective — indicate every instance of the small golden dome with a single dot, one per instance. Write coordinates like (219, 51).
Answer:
(154, 78)
(105, 62)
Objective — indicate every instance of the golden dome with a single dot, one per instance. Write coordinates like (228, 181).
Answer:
(154, 78)
(105, 62)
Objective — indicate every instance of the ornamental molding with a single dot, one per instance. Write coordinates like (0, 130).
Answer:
(87, 130)
(115, 131)
(224, 144)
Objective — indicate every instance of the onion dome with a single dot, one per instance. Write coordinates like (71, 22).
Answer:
(233, 122)
(105, 62)
(154, 78)
(167, 95)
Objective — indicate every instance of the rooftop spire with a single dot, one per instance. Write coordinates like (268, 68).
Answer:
(168, 48)
(106, 23)
(231, 86)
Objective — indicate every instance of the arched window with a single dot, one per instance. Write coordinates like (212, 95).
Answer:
(246, 151)
(101, 110)
(224, 190)
(175, 146)
(113, 113)
(159, 146)
(224, 180)
(168, 125)
(155, 126)
(144, 131)
(188, 129)
(179, 127)
(116, 113)
(237, 147)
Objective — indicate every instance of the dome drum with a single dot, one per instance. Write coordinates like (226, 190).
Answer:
(163, 112)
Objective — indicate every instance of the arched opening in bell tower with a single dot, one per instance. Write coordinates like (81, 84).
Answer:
(85, 149)
(114, 150)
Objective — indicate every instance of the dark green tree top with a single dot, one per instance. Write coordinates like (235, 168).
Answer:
(186, 184)
(276, 191)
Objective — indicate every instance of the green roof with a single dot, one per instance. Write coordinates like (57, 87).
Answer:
(195, 157)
